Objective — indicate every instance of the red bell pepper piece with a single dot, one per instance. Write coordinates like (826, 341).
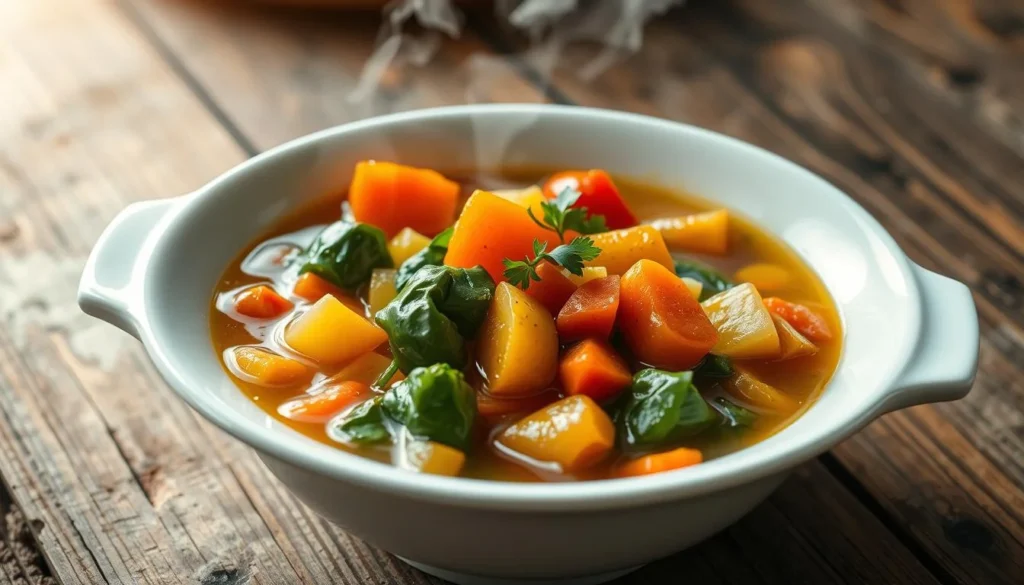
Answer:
(597, 193)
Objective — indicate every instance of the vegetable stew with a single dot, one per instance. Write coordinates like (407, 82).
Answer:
(527, 326)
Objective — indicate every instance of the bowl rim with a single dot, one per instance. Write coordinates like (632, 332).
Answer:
(716, 475)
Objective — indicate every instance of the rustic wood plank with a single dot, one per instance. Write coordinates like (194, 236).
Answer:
(814, 82)
(808, 509)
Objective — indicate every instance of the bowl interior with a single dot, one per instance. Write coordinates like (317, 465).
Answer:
(865, 272)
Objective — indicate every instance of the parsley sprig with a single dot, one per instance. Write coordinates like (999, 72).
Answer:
(570, 256)
(560, 216)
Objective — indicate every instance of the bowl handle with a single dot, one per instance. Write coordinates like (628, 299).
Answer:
(110, 282)
(946, 360)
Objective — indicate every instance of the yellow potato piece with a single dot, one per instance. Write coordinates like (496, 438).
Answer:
(621, 249)
(766, 277)
(574, 433)
(702, 233)
(694, 286)
(518, 344)
(382, 288)
(747, 388)
(530, 197)
(431, 457)
(792, 343)
(267, 368)
(589, 273)
(331, 333)
(406, 244)
(745, 327)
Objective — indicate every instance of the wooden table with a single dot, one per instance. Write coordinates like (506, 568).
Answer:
(914, 108)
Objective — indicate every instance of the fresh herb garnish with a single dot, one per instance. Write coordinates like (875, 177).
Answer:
(560, 216)
(570, 256)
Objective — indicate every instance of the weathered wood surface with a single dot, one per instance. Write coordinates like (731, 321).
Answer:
(141, 99)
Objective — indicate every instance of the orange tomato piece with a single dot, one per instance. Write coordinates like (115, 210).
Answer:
(393, 196)
(553, 289)
(598, 194)
(262, 302)
(590, 311)
(267, 368)
(659, 462)
(593, 368)
(662, 323)
(320, 407)
(810, 324)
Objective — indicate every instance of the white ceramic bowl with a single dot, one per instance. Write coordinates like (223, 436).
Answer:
(910, 336)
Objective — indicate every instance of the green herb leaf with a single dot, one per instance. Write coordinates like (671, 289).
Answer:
(364, 424)
(715, 366)
(560, 216)
(432, 255)
(570, 256)
(663, 408)
(345, 253)
(735, 415)
(713, 282)
(434, 403)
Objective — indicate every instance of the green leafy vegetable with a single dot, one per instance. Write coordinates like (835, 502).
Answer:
(560, 216)
(434, 403)
(365, 424)
(715, 366)
(346, 253)
(713, 281)
(734, 415)
(570, 256)
(432, 255)
(663, 408)
(438, 309)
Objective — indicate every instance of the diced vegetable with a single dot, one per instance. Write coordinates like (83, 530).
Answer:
(745, 328)
(329, 401)
(573, 433)
(438, 309)
(531, 197)
(700, 233)
(714, 366)
(364, 369)
(432, 457)
(597, 193)
(621, 249)
(663, 408)
(693, 285)
(262, 302)
(518, 345)
(593, 368)
(491, 406)
(553, 288)
(807, 322)
(765, 277)
(590, 311)
(311, 287)
(491, 229)
(393, 196)
(589, 273)
(332, 333)
(434, 403)
(432, 255)
(346, 253)
(382, 288)
(749, 389)
(662, 323)
(734, 415)
(365, 424)
(267, 368)
(712, 282)
(659, 462)
(406, 244)
(791, 343)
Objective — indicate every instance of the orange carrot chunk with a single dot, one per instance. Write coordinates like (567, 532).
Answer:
(553, 289)
(491, 229)
(261, 302)
(807, 322)
(323, 405)
(267, 368)
(311, 287)
(661, 321)
(393, 196)
(658, 462)
(593, 368)
(590, 311)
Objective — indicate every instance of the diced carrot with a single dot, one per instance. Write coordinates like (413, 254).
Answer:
(621, 249)
(573, 433)
(326, 403)
(311, 287)
(597, 193)
(488, 405)
(491, 229)
(701, 233)
(804, 320)
(590, 311)
(553, 288)
(393, 196)
(262, 302)
(267, 368)
(593, 368)
(432, 457)
(766, 277)
(662, 323)
(332, 333)
(659, 462)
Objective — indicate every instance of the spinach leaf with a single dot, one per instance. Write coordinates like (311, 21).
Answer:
(345, 253)
(430, 320)
(663, 408)
(714, 282)
(434, 403)
(364, 424)
(714, 366)
(735, 415)
(432, 255)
